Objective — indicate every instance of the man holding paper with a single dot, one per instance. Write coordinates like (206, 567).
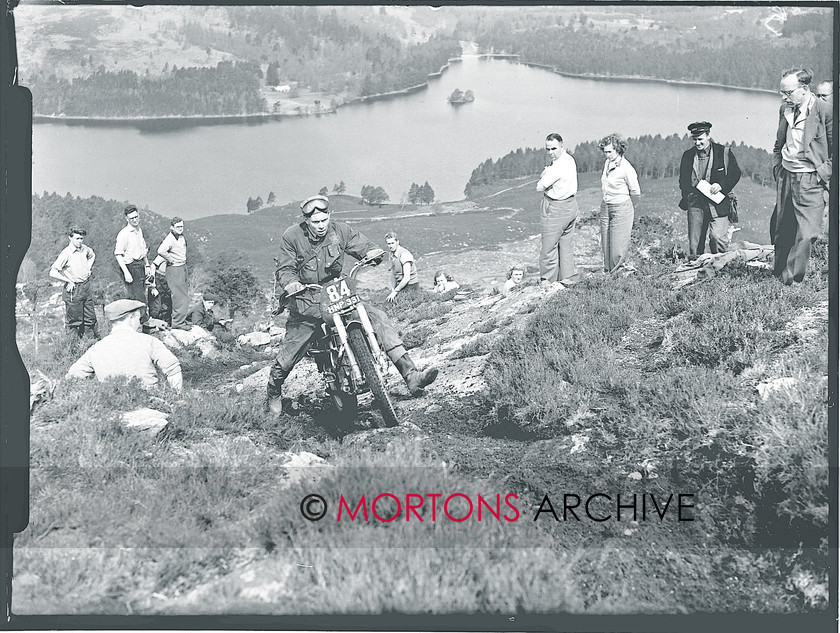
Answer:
(705, 182)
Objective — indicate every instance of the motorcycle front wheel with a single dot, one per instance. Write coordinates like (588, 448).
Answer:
(361, 351)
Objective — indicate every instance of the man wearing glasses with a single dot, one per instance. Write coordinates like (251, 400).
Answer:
(312, 252)
(802, 169)
(825, 91)
(131, 254)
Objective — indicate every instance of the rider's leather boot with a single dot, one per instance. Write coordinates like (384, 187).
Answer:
(276, 377)
(415, 379)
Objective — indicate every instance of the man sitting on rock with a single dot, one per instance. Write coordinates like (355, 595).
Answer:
(127, 352)
(202, 315)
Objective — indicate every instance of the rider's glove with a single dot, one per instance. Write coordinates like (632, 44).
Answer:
(293, 287)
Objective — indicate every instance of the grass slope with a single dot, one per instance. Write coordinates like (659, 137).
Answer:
(616, 385)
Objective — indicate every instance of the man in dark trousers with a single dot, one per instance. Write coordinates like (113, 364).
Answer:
(705, 164)
(73, 267)
(802, 168)
(312, 252)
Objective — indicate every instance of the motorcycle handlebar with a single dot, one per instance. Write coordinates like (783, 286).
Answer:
(376, 259)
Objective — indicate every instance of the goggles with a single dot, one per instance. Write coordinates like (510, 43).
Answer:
(313, 204)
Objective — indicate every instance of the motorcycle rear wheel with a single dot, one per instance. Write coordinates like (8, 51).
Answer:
(361, 351)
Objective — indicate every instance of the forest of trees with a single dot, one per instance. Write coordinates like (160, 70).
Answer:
(421, 194)
(652, 156)
(580, 48)
(324, 50)
(229, 88)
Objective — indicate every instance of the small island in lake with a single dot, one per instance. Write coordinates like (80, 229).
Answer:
(458, 97)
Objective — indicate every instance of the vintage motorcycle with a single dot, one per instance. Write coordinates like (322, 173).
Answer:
(345, 348)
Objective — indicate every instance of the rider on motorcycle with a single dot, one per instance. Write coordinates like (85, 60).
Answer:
(312, 252)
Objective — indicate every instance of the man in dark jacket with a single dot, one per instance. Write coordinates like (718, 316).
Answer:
(203, 316)
(705, 165)
(312, 252)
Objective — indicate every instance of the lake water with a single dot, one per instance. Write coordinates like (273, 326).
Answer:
(211, 169)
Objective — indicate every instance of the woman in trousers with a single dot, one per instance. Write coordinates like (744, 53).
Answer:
(620, 186)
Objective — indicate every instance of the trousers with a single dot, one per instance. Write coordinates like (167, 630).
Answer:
(616, 226)
(702, 223)
(796, 222)
(557, 224)
(137, 288)
(176, 277)
(80, 315)
(299, 333)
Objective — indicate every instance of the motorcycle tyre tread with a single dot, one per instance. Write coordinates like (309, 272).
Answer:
(360, 348)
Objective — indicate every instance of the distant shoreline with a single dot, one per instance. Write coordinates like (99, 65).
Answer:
(262, 117)
(641, 78)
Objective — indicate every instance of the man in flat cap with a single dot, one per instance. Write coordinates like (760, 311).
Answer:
(705, 164)
(312, 252)
(126, 352)
(802, 167)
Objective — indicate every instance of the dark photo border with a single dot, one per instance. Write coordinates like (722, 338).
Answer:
(15, 235)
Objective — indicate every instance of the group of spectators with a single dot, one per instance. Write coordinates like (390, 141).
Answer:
(802, 168)
(312, 251)
(157, 297)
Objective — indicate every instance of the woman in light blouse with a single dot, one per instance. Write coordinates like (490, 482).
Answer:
(618, 182)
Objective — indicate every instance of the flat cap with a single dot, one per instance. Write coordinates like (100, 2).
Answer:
(209, 296)
(699, 127)
(121, 307)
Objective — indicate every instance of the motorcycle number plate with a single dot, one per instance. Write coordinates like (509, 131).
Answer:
(339, 296)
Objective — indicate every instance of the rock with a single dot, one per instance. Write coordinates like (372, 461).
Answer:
(177, 339)
(150, 421)
(276, 330)
(40, 390)
(302, 467)
(255, 339)
(785, 383)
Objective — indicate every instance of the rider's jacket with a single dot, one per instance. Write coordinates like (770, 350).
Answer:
(310, 261)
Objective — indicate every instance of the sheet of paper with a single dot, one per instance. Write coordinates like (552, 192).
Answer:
(706, 189)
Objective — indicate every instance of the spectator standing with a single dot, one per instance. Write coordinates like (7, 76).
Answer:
(559, 211)
(620, 187)
(131, 252)
(173, 249)
(403, 268)
(73, 267)
(825, 91)
(126, 352)
(705, 163)
(802, 168)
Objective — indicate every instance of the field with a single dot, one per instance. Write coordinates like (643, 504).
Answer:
(617, 385)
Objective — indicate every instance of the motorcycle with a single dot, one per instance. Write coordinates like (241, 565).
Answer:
(345, 348)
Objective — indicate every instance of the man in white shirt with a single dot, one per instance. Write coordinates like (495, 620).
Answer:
(73, 267)
(559, 212)
(132, 256)
(403, 268)
(802, 167)
(173, 250)
(126, 352)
